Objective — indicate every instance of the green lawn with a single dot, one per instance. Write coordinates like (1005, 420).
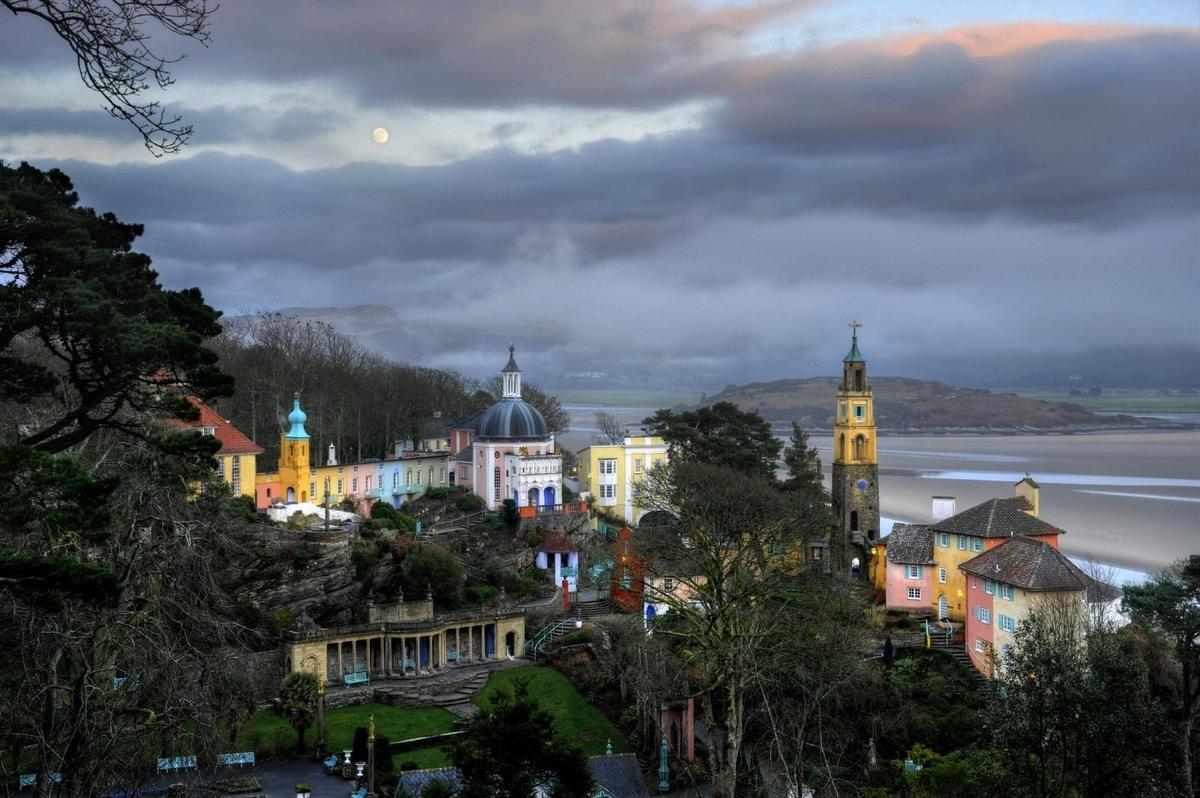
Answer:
(574, 718)
(269, 733)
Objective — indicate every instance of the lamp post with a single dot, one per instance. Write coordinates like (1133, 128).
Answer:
(371, 756)
(664, 773)
(320, 718)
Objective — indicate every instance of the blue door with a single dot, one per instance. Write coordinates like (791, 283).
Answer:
(489, 641)
(548, 499)
(423, 657)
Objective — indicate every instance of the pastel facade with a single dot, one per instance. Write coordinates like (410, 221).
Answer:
(610, 473)
(507, 451)
(238, 456)
(953, 539)
(397, 479)
(1004, 584)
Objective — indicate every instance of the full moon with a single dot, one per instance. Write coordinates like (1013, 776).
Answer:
(380, 135)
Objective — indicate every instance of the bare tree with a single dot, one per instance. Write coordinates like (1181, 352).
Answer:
(115, 59)
(609, 428)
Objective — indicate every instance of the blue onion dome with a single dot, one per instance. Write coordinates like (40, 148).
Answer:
(512, 419)
(297, 418)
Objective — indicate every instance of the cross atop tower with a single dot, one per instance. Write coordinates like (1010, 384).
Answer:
(855, 356)
(854, 325)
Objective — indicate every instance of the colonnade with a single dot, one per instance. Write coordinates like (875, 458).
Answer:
(397, 654)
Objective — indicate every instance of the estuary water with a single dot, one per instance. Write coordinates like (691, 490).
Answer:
(1127, 499)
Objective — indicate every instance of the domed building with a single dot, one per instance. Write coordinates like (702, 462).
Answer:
(507, 450)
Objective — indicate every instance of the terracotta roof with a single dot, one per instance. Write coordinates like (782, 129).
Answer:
(997, 518)
(909, 544)
(231, 438)
(1028, 564)
(556, 540)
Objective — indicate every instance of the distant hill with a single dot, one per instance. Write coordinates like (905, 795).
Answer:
(905, 405)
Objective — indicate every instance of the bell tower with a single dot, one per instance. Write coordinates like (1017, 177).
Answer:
(294, 467)
(855, 483)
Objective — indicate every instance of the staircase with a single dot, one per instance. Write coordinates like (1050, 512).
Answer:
(591, 609)
(547, 635)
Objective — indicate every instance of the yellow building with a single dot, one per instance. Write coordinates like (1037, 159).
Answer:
(608, 473)
(405, 639)
(237, 459)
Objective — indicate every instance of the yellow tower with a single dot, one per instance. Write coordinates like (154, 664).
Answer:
(294, 466)
(855, 485)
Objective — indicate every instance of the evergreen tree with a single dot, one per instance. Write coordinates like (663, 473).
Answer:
(803, 463)
(720, 435)
(511, 748)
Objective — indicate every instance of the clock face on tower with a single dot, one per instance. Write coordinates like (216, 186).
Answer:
(861, 484)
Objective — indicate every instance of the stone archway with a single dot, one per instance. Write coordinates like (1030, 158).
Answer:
(510, 644)
(534, 493)
(548, 496)
(291, 495)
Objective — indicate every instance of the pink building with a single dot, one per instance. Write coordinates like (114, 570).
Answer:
(1004, 584)
(507, 451)
(910, 568)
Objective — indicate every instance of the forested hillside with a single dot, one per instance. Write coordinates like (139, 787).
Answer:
(354, 398)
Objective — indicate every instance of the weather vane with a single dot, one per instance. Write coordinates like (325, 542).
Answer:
(854, 325)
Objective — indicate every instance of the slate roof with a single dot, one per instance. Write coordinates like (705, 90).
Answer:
(465, 455)
(468, 422)
(910, 544)
(997, 518)
(231, 438)
(1028, 564)
(618, 775)
(416, 780)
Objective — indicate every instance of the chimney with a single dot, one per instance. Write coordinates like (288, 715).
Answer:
(1029, 490)
(943, 508)
(332, 456)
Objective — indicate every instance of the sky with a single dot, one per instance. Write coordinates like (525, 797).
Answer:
(672, 191)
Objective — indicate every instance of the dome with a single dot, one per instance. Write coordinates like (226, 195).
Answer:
(297, 418)
(512, 419)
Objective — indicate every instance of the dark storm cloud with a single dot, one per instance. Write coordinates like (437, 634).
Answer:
(218, 125)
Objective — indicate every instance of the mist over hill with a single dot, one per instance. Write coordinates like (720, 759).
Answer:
(580, 359)
(909, 405)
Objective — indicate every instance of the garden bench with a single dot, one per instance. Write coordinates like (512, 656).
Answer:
(409, 664)
(361, 792)
(451, 656)
(242, 759)
(356, 676)
(173, 764)
(331, 764)
(27, 780)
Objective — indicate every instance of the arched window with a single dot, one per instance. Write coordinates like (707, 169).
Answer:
(533, 497)
(854, 520)
(860, 448)
(842, 446)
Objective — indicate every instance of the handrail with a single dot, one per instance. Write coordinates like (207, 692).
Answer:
(547, 634)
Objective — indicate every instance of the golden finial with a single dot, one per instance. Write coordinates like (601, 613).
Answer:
(371, 729)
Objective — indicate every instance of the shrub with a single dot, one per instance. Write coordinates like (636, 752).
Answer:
(358, 751)
(444, 492)
(438, 788)
(382, 511)
(468, 503)
(427, 565)
(510, 514)
(383, 754)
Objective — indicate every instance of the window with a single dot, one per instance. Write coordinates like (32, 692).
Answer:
(854, 520)
(668, 584)
(942, 575)
(395, 479)
(339, 488)
(608, 491)
(983, 615)
(354, 485)
(1006, 592)
(914, 594)
(312, 489)
(208, 431)
(944, 539)
(989, 587)
(860, 412)
(496, 480)
(418, 476)
(235, 474)
(977, 544)
(962, 542)
(368, 484)
(608, 466)
(1006, 653)
(639, 465)
(980, 646)
(408, 477)
(912, 572)
(442, 475)
(816, 553)
(841, 409)
(1008, 623)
